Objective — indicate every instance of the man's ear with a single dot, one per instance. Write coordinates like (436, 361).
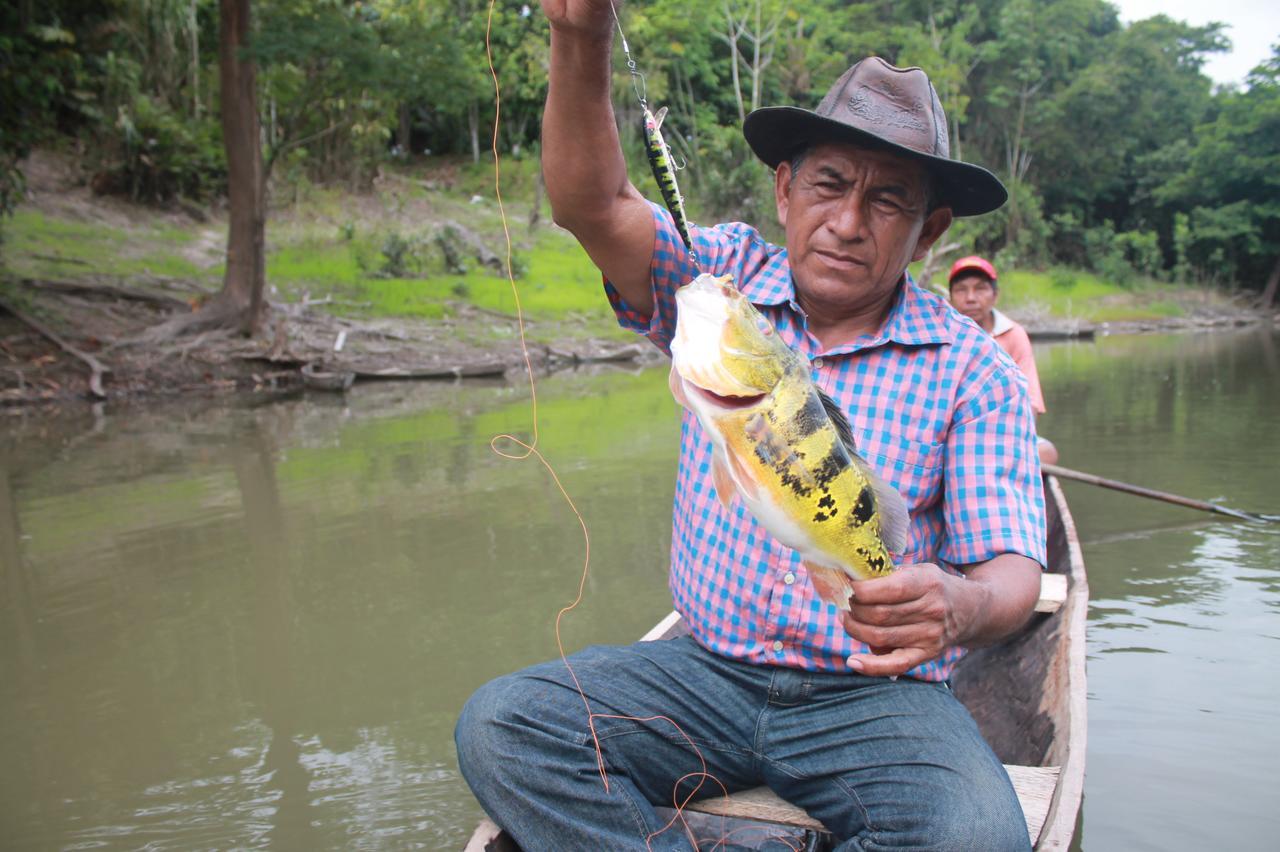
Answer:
(934, 227)
(781, 189)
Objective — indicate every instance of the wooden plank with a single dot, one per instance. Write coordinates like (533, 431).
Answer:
(1053, 592)
(1033, 784)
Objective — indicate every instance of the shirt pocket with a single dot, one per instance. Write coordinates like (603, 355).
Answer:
(913, 467)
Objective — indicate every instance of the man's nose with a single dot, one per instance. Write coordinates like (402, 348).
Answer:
(849, 220)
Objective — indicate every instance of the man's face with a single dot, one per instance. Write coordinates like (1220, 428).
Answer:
(973, 295)
(854, 219)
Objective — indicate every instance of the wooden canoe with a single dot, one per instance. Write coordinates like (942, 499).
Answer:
(1027, 695)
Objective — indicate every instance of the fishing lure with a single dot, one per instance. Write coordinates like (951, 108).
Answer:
(664, 171)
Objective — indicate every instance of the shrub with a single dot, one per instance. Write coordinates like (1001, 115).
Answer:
(160, 155)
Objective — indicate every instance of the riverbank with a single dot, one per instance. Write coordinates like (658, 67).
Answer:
(389, 284)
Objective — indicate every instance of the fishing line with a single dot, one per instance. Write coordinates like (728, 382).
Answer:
(530, 448)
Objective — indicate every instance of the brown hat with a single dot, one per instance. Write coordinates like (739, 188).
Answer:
(878, 105)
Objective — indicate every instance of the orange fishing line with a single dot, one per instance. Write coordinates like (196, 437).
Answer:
(531, 449)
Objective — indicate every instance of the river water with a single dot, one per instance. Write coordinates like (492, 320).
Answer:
(252, 624)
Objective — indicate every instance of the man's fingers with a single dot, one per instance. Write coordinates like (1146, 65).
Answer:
(892, 664)
(907, 583)
(919, 634)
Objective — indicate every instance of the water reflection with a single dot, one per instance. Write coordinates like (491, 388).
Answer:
(252, 625)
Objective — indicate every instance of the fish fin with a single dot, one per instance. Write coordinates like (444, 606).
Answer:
(831, 584)
(723, 480)
(742, 477)
(839, 420)
(894, 517)
(676, 383)
(891, 507)
(658, 116)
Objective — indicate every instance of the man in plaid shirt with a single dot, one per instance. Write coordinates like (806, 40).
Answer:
(849, 716)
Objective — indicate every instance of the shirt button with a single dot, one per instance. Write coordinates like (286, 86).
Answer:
(777, 646)
(817, 363)
(789, 578)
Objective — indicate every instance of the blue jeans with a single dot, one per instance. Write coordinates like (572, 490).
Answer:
(883, 764)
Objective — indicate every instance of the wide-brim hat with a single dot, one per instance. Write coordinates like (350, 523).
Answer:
(880, 106)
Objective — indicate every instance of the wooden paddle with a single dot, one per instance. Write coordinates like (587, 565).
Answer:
(1068, 473)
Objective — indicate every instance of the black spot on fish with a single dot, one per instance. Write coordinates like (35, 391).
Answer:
(864, 508)
(830, 467)
(810, 418)
(829, 503)
(774, 453)
(789, 479)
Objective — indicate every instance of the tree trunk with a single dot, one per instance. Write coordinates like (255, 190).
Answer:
(241, 295)
(473, 120)
(404, 131)
(535, 212)
(1273, 283)
(195, 61)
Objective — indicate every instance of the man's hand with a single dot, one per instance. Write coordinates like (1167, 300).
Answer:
(584, 16)
(912, 615)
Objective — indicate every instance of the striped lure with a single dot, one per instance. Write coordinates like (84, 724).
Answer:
(664, 171)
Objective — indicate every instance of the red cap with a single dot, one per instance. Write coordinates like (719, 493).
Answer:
(972, 262)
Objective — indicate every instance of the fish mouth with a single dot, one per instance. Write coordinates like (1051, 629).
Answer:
(722, 401)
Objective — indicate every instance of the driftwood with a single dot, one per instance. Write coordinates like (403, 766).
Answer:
(105, 291)
(452, 233)
(96, 368)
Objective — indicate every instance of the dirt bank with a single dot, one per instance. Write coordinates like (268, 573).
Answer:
(78, 335)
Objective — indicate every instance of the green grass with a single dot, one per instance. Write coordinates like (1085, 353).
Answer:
(559, 279)
(1075, 294)
(37, 244)
(331, 244)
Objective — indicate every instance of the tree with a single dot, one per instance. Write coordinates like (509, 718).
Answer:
(1230, 187)
(240, 300)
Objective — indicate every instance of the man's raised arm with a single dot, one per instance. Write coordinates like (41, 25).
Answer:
(582, 160)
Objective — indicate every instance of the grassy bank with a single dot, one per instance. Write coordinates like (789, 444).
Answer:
(381, 253)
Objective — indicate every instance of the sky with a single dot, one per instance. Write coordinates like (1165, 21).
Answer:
(1253, 26)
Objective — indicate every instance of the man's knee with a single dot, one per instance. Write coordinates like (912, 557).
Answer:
(980, 814)
(487, 725)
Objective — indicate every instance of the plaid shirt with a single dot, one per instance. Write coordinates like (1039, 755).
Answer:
(937, 408)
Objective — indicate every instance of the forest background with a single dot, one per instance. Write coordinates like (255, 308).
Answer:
(1123, 159)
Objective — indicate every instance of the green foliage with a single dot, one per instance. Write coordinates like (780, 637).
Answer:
(160, 154)
(1120, 156)
(1226, 199)
(39, 68)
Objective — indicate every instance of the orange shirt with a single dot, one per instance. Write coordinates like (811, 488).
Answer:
(1013, 339)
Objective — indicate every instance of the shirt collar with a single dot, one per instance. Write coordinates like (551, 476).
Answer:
(915, 318)
(1000, 323)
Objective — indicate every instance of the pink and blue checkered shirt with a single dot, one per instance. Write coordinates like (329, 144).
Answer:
(936, 407)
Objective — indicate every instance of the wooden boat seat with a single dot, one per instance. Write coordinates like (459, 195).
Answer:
(1033, 784)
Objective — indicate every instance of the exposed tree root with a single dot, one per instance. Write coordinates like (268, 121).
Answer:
(97, 370)
(217, 315)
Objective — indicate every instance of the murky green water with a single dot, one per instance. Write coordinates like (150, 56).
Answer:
(253, 626)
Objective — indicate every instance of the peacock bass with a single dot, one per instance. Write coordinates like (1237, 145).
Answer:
(781, 444)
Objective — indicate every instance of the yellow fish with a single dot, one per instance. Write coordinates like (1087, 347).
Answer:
(781, 444)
